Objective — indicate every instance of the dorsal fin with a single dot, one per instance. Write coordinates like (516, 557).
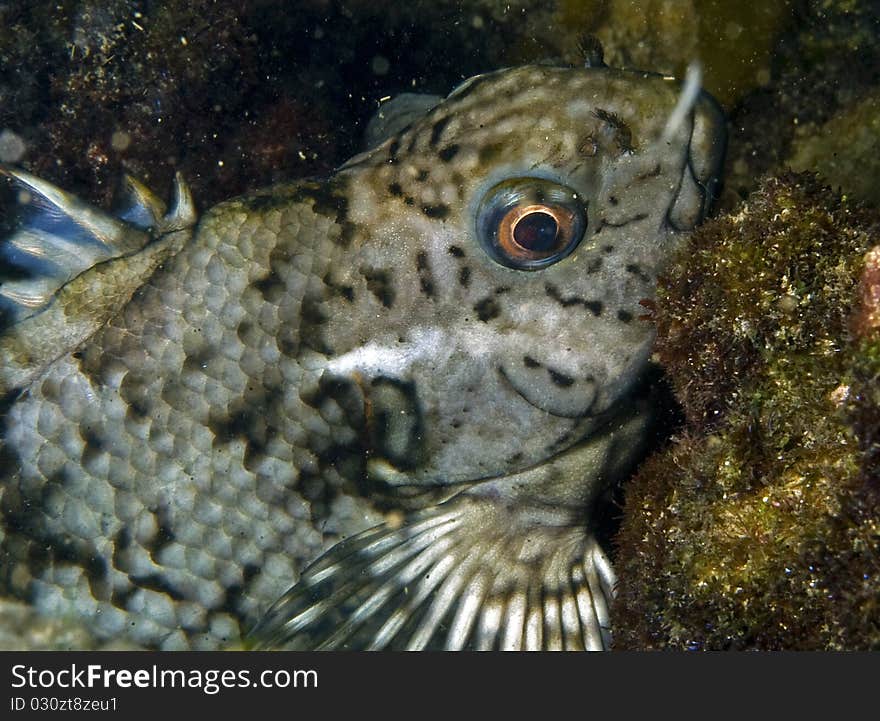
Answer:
(58, 238)
(394, 115)
(55, 288)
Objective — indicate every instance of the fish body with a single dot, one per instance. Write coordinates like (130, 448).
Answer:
(397, 390)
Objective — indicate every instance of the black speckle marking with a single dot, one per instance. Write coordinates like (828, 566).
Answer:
(612, 200)
(345, 291)
(488, 153)
(96, 365)
(637, 271)
(464, 277)
(487, 309)
(455, 251)
(393, 149)
(313, 316)
(437, 130)
(604, 223)
(502, 289)
(380, 284)
(426, 278)
(270, 286)
(409, 200)
(395, 189)
(439, 211)
(624, 316)
(155, 582)
(530, 362)
(422, 176)
(560, 379)
(448, 153)
(607, 248)
(196, 361)
(595, 265)
(594, 306)
(133, 391)
(287, 340)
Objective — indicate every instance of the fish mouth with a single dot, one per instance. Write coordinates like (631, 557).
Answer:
(563, 396)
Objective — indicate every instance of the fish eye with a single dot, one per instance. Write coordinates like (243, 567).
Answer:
(530, 223)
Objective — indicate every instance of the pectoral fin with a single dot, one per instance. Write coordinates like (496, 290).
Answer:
(467, 574)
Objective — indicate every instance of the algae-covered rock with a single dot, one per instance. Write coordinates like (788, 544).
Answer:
(815, 111)
(758, 526)
(845, 151)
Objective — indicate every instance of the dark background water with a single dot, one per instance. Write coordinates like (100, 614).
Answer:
(240, 93)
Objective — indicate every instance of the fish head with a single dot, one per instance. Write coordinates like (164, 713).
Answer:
(506, 242)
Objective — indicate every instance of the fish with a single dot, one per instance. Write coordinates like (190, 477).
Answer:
(367, 411)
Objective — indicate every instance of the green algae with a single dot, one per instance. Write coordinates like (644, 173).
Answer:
(758, 526)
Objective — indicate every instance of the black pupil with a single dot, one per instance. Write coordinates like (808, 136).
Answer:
(536, 232)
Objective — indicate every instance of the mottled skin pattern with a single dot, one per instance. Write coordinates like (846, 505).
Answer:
(323, 356)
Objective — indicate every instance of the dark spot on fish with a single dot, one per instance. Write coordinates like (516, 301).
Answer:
(560, 379)
(395, 422)
(608, 248)
(409, 200)
(612, 200)
(624, 316)
(530, 362)
(287, 340)
(464, 277)
(134, 393)
(270, 286)
(489, 153)
(159, 584)
(437, 130)
(426, 280)
(395, 189)
(439, 211)
(346, 291)
(653, 173)
(163, 537)
(380, 284)
(313, 317)
(448, 153)
(196, 361)
(605, 223)
(502, 289)
(594, 265)
(49, 389)
(393, 149)
(239, 423)
(244, 331)
(235, 592)
(455, 251)
(637, 271)
(97, 366)
(94, 445)
(487, 309)
(422, 176)
(594, 306)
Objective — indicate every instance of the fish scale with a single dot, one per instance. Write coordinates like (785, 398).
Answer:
(353, 411)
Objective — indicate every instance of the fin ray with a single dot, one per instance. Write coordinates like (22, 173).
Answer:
(461, 575)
